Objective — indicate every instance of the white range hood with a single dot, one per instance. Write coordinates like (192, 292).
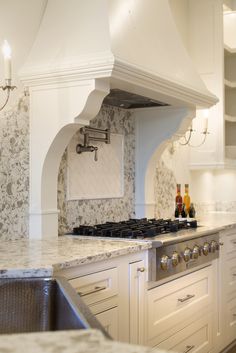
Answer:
(84, 50)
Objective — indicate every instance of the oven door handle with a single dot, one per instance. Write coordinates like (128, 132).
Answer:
(188, 297)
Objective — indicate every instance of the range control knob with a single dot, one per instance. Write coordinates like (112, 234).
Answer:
(213, 246)
(175, 259)
(195, 252)
(164, 262)
(187, 254)
(205, 249)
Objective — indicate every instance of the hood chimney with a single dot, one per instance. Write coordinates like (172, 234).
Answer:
(127, 50)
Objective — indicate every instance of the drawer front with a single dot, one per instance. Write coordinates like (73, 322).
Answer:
(174, 302)
(109, 320)
(230, 244)
(197, 337)
(97, 286)
(230, 275)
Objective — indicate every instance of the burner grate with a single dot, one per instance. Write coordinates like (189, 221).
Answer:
(135, 228)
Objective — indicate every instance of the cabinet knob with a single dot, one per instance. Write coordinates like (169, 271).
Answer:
(141, 269)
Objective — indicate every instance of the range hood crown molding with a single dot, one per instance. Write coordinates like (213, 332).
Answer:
(120, 74)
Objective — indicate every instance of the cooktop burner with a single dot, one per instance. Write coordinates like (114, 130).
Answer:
(135, 228)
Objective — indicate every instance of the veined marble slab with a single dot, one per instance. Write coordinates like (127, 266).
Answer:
(39, 258)
(81, 341)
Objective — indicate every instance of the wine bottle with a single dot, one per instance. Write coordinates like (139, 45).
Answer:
(178, 198)
(192, 211)
(183, 212)
(176, 211)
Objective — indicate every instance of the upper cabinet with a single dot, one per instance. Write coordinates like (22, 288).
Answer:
(206, 50)
(216, 43)
(230, 84)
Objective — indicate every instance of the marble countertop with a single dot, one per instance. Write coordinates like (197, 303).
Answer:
(208, 224)
(82, 341)
(37, 258)
(40, 258)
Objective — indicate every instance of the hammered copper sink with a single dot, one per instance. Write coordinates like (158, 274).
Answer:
(42, 304)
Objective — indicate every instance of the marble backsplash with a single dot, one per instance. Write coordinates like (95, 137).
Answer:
(14, 174)
(14, 170)
(164, 191)
(76, 212)
(14, 178)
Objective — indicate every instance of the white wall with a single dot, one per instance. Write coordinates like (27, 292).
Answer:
(214, 186)
(19, 23)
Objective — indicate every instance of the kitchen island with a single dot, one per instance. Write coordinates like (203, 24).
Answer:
(42, 258)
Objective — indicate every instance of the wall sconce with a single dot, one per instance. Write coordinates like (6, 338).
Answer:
(188, 135)
(6, 49)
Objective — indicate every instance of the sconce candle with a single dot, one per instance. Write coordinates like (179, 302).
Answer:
(205, 125)
(6, 49)
(8, 87)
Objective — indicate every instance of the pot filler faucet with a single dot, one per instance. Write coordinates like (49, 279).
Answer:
(86, 147)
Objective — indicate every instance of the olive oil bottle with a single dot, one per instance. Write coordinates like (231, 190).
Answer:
(187, 200)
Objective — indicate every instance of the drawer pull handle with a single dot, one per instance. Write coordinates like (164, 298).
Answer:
(234, 315)
(189, 296)
(188, 349)
(91, 291)
(234, 242)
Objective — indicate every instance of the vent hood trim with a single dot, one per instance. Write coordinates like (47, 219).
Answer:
(117, 70)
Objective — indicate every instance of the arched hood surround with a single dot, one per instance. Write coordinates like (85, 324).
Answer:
(84, 49)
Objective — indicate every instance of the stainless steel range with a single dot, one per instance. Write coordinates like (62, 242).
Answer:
(183, 253)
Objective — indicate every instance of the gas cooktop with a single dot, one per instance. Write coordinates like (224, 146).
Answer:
(135, 228)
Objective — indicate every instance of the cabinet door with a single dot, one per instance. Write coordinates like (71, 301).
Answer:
(230, 321)
(109, 320)
(137, 283)
(171, 304)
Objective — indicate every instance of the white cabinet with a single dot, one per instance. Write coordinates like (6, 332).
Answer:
(230, 108)
(206, 50)
(192, 313)
(172, 306)
(227, 287)
(109, 320)
(137, 301)
(194, 338)
(114, 290)
(96, 286)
